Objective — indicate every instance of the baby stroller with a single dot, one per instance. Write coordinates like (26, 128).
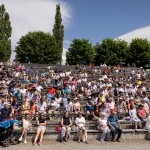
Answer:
(9, 132)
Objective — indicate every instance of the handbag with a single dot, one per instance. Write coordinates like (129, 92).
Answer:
(58, 127)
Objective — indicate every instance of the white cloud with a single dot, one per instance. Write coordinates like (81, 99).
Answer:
(138, 33)
(33, 15)
(65, 49)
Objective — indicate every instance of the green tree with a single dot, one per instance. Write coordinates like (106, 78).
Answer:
(105, 52)
(37, 47)
(111, 52)
(139, 52)
(5, 34)
(81, 50)
(122, 51)
(58, 33)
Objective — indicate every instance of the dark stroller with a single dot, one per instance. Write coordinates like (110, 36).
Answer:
(9, 132)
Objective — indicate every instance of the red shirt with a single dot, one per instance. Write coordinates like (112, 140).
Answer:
(52, 91)
(142, 113)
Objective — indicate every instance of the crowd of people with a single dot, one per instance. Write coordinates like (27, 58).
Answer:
(102, 94)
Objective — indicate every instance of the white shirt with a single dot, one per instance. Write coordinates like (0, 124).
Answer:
(17, 74)
(23, 91)
(133, 113)
(42, 107)
(80, 121)
(1, 105)
(102, 121)
(39, 88)
(68, 106)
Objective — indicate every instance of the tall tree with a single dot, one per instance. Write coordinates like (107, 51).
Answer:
(111, 52)
(121, 50)
(5, 34)
(37, 47)
(58, 33)
(80, 51)
(140, 52)
(105, 52)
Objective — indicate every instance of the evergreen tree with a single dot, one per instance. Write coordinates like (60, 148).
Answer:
(5, 34)
(58, 33)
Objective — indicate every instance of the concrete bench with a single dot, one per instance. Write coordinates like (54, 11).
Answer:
(92, 134)
(125, 123)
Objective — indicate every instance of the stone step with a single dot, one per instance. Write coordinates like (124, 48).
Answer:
(129, 134)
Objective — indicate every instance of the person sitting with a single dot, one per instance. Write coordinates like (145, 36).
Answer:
(66, 90)
(121, 106)
(2, 101)
(25, 107)
(15, 106)
(66, 124)
(53, 108)
(69, 106)
(33, 108)
(76, 106)
(89, 106)
(145, 105)
(19, 96)
(51, 93)
(148, 124)
(103, 127)
(5, 113)
(114, 125)
(41, 106)
(26, 122)
(110, 104)
(81, 130)
(95, 114)
(133, 114)
(41, 123)
(142, 114)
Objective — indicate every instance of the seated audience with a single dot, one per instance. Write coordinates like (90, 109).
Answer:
(41, 123)
(103, 127)
(26, 123)
(66, 124)
(141, 112)
(114, 125)
(82, 133)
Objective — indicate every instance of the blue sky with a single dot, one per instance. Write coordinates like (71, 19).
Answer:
(91, 19)
(99, 19)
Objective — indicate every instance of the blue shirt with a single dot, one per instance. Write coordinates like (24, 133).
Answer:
(113, 120)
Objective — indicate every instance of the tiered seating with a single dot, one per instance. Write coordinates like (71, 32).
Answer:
(127, 126)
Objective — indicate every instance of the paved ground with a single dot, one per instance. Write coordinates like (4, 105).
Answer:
(93, 145)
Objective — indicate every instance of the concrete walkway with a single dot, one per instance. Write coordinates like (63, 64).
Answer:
(93, 145)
